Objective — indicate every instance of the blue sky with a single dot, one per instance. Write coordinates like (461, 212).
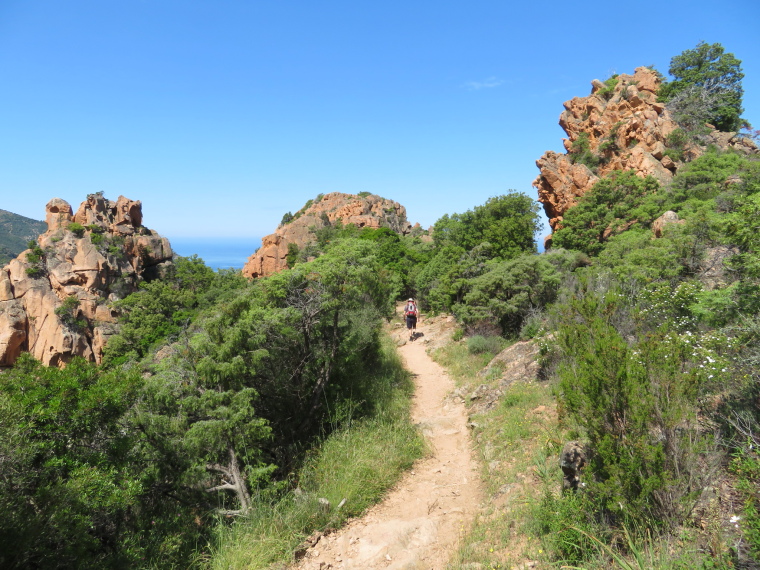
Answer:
(223, 115)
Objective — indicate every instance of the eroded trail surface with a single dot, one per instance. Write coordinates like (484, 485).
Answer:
(420, 522)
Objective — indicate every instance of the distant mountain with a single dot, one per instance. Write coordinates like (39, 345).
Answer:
(15, 233)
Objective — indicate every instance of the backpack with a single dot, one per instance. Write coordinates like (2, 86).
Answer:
(411, 309)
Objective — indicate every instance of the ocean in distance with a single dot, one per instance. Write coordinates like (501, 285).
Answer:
(217, 253)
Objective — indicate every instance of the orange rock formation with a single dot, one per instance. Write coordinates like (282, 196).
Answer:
(99, 261)
(626, 128)
(364, 212)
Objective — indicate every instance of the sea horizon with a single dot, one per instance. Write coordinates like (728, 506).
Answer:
(217, 252)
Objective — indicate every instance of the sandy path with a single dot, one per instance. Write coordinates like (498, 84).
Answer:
(420, 522)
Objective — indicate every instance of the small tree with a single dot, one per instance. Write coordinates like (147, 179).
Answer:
(292, 257)
(707, 88)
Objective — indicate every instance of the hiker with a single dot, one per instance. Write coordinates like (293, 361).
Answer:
(411, 313)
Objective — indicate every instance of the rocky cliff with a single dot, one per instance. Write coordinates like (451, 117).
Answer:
(620, 126)
(362, 211)
(55, 299)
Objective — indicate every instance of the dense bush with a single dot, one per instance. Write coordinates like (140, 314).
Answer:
(614, 204)
(479, 344)
(77, 229)
(636, 405)
(509, 223)
(74, 492)
(507, 292)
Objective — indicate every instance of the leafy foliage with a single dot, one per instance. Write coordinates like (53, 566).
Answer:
(509, 223)
(609, 87)
(707, 87)
(580, 153)
(162, 308)
(77, 229)
(634, 405)
(614, 203)
(507, 293)
(69, 488)
(67, 312)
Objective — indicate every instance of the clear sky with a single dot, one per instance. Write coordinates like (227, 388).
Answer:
(223, 115)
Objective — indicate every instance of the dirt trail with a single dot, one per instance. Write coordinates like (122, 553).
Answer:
(420, 522)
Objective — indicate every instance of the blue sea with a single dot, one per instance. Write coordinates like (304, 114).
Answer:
(217, 253)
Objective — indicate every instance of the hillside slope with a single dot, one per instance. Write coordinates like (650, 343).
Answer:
(15, 233)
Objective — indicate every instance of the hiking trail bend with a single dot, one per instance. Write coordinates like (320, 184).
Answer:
(421, 520)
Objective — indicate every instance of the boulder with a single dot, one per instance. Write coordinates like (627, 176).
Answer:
(669, 217)
(571, 461)
(13, 324)
(58, 214)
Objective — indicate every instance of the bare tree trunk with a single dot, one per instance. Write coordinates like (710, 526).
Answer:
(232, 480)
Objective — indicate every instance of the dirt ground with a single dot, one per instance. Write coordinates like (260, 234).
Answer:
(419, 524)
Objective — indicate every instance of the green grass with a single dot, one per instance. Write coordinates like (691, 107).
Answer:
(358, 464)
(516, 440)
(461, 363)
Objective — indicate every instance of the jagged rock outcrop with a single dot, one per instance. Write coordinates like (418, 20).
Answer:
(55, 300)
(624, 128)
(364, 212)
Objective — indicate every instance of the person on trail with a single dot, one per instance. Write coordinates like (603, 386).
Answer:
(411, 313)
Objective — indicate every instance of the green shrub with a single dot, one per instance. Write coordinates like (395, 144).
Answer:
(36, 259)
(287, 218)
(504, 296)
(616, 201)
(77, 229)
(292, 257)
(676, 143)
(635, 403)
(607, 91)
(364, 194)
(608, 146)
(67, 313)
(580, 152)
(532, 325)
(479, 344)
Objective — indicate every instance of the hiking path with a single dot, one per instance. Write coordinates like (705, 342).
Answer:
(421, 520)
